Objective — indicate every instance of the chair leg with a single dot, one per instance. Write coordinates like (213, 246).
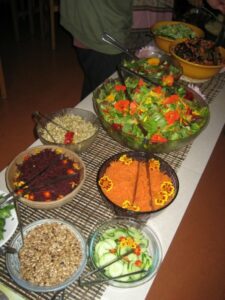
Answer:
(2, 83)
(41, 17)
(14, 18)
(30, 16)
(52, 23)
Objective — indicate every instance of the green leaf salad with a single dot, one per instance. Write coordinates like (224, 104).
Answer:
(153, 67)
(175, 31)
(167, 113)
(5, 212)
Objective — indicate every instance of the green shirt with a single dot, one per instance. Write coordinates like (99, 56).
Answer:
(86, 20)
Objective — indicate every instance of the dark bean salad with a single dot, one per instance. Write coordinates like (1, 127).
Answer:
(200, 51)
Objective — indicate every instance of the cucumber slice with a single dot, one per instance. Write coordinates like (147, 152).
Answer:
(132, 257)
(109, 234)
(148, 263)
(134, 268)
(106, 258)
(114, 233)
(111, 242)
(144, 243)
(103, 247)
(125, 271)
(119, 233)
(138, 237)
(115, 269)
(123, 250)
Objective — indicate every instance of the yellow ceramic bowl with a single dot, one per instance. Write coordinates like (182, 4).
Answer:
(165, 43)
(197, 71)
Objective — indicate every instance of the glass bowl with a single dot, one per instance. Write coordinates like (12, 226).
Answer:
(45, 168)
(87, 117)
(140, 123)
(126, 159)
(13, 263)
(154, 64)
(152, 247)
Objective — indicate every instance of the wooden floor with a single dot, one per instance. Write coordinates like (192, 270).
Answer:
(37, 78)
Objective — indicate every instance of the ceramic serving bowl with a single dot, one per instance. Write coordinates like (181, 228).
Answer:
(165, 42)
(54, 176)
(197, 70)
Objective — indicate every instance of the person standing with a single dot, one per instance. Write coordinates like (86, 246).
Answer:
(86, 20)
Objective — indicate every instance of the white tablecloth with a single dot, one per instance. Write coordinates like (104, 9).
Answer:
(165, 223)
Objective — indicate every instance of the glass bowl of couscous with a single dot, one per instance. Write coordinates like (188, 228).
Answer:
(72, 128)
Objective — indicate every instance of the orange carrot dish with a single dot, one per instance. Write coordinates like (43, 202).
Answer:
(137, 185)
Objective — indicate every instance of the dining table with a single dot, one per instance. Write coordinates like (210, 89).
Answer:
(191, 229)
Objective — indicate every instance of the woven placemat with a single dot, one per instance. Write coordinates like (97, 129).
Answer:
(88, 209)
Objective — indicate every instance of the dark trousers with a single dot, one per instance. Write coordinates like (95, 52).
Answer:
(96, 67)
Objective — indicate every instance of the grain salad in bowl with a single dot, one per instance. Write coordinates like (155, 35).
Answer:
(52, 256)
(73, 128)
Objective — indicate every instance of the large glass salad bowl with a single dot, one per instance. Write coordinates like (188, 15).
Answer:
(157, 119)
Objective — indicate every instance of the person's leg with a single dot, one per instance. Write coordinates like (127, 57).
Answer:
(97, 67)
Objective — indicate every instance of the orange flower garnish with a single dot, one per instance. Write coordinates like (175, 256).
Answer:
(105, 183)
(138, 263)
(154, 164)
(158, 138)
(122, 105)
(153, 61)
(125, 159)
(168, 187)
(161, 198)
(172, 116)
(141, 82)
(171, 99)
(157, 89)
(168, 80)
(119, 87)
(133, 108)
(126, 204)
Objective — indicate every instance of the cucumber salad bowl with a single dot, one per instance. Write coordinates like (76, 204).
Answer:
(157, 119)
(114, 238)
